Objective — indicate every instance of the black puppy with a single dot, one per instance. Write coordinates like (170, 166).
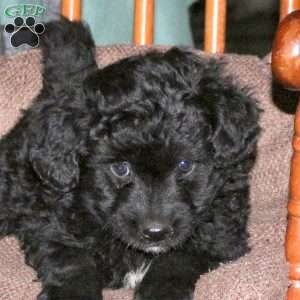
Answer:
(133, 175)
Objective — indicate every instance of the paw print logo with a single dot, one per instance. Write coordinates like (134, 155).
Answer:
(25, 32)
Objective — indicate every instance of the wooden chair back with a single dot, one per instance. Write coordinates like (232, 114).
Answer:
(285, 64)
(215, 22)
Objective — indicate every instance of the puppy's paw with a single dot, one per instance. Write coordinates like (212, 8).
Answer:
(161, 294)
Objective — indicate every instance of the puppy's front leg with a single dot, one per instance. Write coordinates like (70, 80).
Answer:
(170, 277)
(67, 274)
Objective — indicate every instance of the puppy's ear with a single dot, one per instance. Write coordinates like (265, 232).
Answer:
(68, 54)
(231, 110)
(59, 173)
(233, 114)
(54, 151)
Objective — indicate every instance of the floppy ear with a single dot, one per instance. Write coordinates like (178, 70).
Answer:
(54, 154)
(233, 113)
(231, 110)
(59, 117)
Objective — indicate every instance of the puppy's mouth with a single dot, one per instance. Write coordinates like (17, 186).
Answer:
(156, 249)
(151, 248)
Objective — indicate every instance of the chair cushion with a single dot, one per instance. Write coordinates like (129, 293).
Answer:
(261, 274)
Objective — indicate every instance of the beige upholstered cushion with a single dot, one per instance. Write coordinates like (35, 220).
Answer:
(261, 274)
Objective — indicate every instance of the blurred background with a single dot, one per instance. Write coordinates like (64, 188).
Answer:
(251, 24)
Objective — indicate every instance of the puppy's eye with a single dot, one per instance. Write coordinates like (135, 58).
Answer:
(120, 169)
(185, 166)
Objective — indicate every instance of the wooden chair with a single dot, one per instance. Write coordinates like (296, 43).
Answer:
(285, 63)
(215, 22)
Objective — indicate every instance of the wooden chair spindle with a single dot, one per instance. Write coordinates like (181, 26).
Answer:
(215, 26)
(143, 22)
(71, 9)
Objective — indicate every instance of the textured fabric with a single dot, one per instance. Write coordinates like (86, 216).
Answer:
(261, 274)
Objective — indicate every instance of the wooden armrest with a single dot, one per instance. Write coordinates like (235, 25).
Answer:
(286, 52)
(286, 70)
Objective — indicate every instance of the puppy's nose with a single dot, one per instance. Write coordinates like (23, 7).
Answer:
(156, 232)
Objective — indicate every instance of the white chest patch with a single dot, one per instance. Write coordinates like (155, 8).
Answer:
(133, 278)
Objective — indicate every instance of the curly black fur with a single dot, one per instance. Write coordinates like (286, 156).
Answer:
(81, 226)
